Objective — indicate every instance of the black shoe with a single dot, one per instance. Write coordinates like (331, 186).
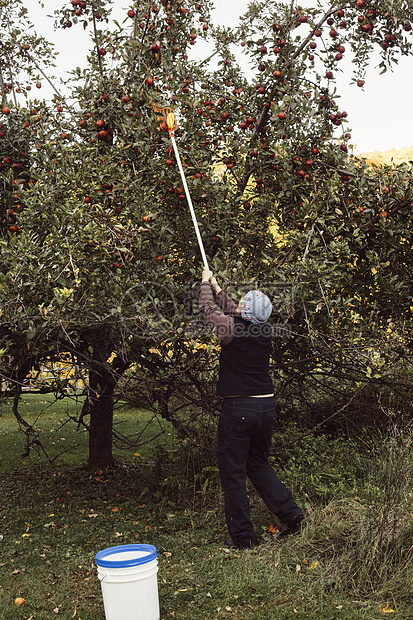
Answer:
(230, 543)
(291, 527)
(233, 545)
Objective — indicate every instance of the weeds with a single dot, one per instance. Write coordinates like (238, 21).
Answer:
(384, 555)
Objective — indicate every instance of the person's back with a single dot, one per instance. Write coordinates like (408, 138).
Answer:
(244, 363)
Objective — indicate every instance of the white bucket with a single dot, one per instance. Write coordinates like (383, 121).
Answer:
(128, 577)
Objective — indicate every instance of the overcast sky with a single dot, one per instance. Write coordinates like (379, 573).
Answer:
(379, 114)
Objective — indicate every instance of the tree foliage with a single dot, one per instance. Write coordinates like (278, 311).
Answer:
(99, 257)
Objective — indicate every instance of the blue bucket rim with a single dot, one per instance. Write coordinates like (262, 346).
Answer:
(103, 561)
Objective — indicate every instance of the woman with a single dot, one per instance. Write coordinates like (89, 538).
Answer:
(248, 413)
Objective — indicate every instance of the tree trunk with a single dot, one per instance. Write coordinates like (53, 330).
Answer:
(101, 400)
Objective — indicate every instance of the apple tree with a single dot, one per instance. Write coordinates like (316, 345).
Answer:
(27, 60)
(101, 261)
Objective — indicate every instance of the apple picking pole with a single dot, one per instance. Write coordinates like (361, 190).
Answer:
(171, 122)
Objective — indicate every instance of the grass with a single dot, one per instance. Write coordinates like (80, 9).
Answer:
(353, 560)
(64, 443)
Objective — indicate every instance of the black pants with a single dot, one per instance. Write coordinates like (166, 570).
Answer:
(244, 441)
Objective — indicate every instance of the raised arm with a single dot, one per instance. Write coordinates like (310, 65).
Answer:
(222, 299)
(222, 324)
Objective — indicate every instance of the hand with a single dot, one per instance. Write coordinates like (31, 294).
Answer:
(206, 275)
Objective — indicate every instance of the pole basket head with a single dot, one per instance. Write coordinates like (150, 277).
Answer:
(171, 122)
(167, 119)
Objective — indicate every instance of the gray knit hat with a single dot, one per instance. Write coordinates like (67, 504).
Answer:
(256, 307)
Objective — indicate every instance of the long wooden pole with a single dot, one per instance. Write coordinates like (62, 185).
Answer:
(170, 120)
